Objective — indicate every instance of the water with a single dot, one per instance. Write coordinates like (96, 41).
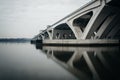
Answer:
(23, 61)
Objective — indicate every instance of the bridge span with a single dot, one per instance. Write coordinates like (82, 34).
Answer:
(96, 22)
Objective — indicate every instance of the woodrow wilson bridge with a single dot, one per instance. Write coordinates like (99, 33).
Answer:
(96, 23)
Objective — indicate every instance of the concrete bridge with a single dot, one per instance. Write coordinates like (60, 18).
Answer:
(97, 20)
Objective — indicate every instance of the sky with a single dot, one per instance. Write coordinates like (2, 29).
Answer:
(25, 18)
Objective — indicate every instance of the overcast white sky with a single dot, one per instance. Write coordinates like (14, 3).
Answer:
(24, 18)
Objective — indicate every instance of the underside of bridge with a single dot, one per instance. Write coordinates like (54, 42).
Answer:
(106, 25)
(97, 21)
(114, 3)
(46, 36)
(63, 31)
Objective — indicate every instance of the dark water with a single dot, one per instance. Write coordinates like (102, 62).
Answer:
(23, 61)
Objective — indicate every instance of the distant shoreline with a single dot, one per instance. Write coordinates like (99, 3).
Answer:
(16, 40)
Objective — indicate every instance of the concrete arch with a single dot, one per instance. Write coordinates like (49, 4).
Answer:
(50, 33)
(82, 21)
(79, 23)
(42, 36)
(46, 35)
(63, 31)
(95, 8)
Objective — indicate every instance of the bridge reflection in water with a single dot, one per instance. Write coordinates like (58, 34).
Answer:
(87, 63)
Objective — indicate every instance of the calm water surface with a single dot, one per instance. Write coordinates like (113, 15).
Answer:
(23, 61)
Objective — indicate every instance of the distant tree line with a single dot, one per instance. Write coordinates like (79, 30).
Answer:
(14, 40)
